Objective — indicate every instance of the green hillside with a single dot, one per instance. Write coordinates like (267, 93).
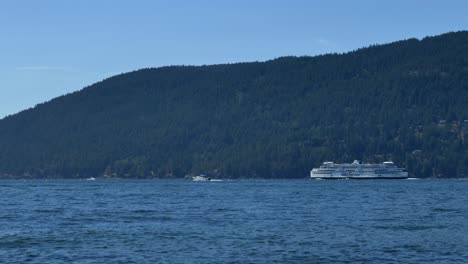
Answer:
(406, 101)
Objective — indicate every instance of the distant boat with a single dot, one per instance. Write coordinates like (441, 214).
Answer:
(91, 179)
(356, 170)
(201, 177)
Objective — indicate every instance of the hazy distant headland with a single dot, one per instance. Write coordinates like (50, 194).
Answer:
(405, 101)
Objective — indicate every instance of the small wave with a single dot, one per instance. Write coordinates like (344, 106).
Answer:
(391, 250)
(416, 248)
(410, 228)
(226, 210)
(145, 211)
(149, 218)
(48, 211)
(444, 210)
(17, 241)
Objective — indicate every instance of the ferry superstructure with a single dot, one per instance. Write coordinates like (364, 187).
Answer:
(356, 170)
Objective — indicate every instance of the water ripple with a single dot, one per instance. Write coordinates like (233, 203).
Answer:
(277, 221)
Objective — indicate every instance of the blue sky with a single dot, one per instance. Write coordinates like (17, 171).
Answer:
(53, 47)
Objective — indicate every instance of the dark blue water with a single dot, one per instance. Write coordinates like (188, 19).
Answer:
(269, 221)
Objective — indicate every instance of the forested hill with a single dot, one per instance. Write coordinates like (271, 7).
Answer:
(406, 101)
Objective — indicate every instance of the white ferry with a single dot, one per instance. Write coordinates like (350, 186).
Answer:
(356, 170)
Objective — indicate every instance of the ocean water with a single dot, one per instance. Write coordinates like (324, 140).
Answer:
(250, 221)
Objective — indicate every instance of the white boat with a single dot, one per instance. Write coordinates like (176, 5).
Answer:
(356, 170)
(201, 177)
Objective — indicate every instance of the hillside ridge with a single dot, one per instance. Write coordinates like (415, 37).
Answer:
(404, 101)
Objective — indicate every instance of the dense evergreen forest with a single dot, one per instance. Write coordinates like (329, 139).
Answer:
(405, 101)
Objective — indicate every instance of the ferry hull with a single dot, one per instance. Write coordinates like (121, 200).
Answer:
(380, 178)
(361, 178)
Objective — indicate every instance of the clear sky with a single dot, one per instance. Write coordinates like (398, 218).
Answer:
(53, 47)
